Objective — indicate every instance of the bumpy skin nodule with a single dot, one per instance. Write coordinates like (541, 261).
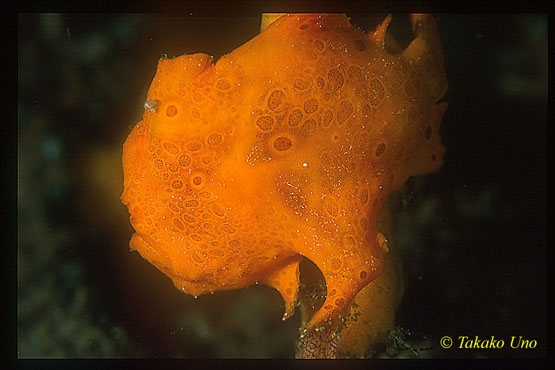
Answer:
(286, 147)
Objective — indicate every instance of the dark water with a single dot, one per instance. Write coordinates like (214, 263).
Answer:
(473, 236)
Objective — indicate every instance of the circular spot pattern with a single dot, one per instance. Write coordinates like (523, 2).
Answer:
(223, 84)
(344, 111)
(205, 194)
(301, 84)
(380, 149)
(363, 196)
(172, 167)
(171, 111)
(177, 184)
(178, 224)
(363, 223)
(184, 160)
(265, 123)
(295, 117)
(197, 180)
(359, 45)
(228, 228)
(311, 106)
(275, 99)
(332, 208)
(350, 242)
(308, 126)
(327, 118)
(189, 219)
(335, 79)
(217, 209)
(377, 92)
(194, 146)
(282, 143)
(191, 203)
(355, 74)
(173, 207)
(216, 253)
(214, 139)
(319, 45)
(197, 258)
(158, 163)
(195, 113)
(170, 148)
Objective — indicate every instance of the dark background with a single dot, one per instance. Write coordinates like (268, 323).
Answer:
(472, 235)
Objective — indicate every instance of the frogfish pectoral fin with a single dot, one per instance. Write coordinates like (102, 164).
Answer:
(345, 276)
(286, 280)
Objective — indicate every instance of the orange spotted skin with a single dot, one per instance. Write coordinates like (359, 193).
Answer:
(286, 147)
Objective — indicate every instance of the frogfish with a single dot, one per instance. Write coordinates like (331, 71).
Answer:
(286, 148)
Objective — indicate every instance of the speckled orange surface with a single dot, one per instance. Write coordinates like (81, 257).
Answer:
(286, 147)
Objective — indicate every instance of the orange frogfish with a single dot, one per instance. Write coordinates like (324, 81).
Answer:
(285, 148)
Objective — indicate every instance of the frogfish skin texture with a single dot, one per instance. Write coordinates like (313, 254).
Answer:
(285, 148)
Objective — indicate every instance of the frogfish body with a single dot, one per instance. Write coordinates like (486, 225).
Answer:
(285, 148)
